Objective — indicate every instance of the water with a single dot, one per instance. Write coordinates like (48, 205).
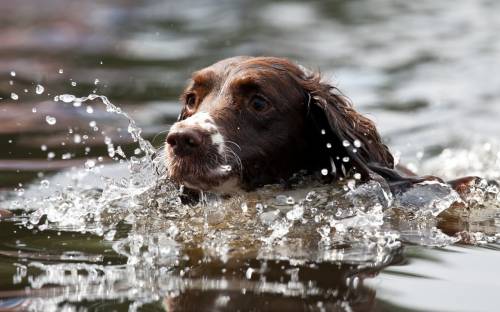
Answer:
(143, 236)
(111, 234)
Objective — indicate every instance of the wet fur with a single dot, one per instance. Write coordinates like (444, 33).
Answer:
(307, 114)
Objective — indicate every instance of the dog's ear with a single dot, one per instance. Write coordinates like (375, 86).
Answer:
(350, 140)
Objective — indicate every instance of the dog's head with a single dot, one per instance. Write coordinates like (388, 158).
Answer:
(250, 121)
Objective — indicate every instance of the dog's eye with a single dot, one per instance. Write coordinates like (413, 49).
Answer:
(259, 104)
(190, 100)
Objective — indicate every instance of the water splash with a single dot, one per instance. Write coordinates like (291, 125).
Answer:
(89, 199)
(133, 129)
(133, 208)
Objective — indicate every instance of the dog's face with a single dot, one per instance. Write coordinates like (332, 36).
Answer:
(242, 125)
(250, 121)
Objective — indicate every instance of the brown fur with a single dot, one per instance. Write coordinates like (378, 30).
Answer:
(303, 115)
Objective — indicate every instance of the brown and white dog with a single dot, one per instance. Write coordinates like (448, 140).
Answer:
(251, 121)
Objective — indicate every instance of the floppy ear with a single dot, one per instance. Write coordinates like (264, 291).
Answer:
(349, 139)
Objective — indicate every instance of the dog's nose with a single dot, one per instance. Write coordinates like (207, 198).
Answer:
(184, 141)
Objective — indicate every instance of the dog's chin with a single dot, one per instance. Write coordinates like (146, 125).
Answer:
(220, 179)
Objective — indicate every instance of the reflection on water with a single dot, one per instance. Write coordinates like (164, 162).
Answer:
(112, 234)
(306, 247)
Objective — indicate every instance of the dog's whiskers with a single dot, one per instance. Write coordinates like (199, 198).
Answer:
(237, 145)
(229, 152)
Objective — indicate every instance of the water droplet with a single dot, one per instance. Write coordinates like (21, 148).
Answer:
(324, 172)
(43, 147)
(77, 138)
(61, 71)
(11, 82)
(90, 163)
(20, 191)
(357, 143)
(51, 155)
(323, 131)
(357, 176)
(96, 81)
(14, 96)
(328, 145)
(44, 183)
(67, 98)
(248, 273)
(110, 235)
(92, 124)
(39, 89)
(120, 152)
(345, 159)
(346, 143)
(33, 109)
(90, 110)
(351, 184)
(66, 156)
(25, 90)
(73, 84)
(13, 73)
(50, 120)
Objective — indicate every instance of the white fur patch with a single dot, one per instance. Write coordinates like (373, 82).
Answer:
(221, 174)
(218, 139)
(204, 121)
(201, 119)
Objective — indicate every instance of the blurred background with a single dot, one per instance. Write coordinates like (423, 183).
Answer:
(425, 71)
